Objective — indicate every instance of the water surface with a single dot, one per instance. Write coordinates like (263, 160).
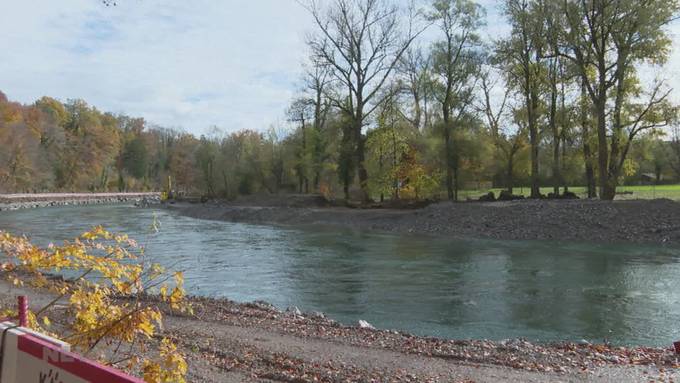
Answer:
(430, 286)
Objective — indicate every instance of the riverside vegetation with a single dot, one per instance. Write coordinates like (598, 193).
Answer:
(386, 113)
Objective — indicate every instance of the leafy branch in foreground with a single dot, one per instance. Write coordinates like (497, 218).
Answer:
(106, 298)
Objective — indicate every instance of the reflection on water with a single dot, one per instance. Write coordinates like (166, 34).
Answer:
(429, 286)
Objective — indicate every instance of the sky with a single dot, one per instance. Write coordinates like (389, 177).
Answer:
(234, 64)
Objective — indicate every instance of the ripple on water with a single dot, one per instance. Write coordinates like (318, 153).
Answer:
(427, 285)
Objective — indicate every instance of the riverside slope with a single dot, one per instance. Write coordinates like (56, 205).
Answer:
(634, 221)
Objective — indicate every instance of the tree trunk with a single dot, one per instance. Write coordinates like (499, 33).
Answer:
(510, 180)
(361, 166)
(602, 145)
(533, 133)
(557, 179)
(590, 171)
(585, 137)
(449, 172)
(456, 178)
(380, 169)
(531, 99)
(617, 154)
(303, 158)
(555, 131)
(347, 154)
(394, 164)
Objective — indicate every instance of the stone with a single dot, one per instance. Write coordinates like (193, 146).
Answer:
(489, 197)
(318, 315)
(294, 310)
(366, 325)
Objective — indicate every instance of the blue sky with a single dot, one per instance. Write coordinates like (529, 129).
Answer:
(185, 64)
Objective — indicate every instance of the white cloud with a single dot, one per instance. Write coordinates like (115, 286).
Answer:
(230, 63)
(183, 64)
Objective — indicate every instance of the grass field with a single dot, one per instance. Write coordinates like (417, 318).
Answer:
(623, 192)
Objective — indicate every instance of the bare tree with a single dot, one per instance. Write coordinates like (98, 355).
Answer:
(508, 144)
(493, 117)
(415, 70)
(361, 41)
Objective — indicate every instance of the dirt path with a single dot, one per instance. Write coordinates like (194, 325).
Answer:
(229, 342)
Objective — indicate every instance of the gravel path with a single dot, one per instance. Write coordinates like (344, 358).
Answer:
(639, 221)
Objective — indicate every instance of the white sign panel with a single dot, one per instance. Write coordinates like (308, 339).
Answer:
(29, 357)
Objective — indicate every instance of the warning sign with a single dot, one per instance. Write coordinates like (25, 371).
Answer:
(29, 357)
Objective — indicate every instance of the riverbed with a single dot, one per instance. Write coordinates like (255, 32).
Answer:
(427, 285)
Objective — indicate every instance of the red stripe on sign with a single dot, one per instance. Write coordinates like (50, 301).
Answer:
(72, 363)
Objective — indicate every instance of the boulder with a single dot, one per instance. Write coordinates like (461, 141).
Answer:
(507, 196)
(489, 197)
(569, 195)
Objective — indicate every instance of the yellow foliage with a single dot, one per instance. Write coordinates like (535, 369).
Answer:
(106, 298)
(170, 367)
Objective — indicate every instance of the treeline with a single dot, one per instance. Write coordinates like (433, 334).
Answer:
(385, 113)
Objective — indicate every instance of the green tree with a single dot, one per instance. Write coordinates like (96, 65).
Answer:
(606, 40)
(521, 56)
(456, 61)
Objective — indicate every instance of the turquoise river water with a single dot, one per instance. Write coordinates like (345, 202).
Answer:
(467, 289)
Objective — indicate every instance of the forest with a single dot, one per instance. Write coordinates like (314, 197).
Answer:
(401, 102)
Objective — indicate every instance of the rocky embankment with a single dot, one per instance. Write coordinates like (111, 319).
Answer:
(637, 221)
(26, 201)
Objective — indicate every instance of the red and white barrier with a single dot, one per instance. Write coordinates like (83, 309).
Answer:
(30, 357)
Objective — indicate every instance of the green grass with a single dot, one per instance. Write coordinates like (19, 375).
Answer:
(638, 192)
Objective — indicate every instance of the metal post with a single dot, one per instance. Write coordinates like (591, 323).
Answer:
(22, 300)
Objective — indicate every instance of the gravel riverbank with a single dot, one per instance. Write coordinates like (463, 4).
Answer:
(27, 201)
(226, 341)
(636, 221)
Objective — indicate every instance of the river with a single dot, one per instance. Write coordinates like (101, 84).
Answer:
(466, 289)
